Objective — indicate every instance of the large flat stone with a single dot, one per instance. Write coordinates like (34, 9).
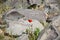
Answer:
(28, 13)
(18, 27)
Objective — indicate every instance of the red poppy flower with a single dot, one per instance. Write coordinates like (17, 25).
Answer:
(30, 20)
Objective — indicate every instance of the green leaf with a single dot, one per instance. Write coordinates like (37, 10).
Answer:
(36, 32)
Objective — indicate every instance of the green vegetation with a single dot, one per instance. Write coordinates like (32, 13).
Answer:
(4, 8)
(1, 37)
(33, 35)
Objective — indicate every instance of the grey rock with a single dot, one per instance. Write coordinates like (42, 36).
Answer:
(12, 17)
(22, 3)
(34, 14)
(38, 2)
(20, 26)
(47, 2)
(23, 37)
(53, 18)
(56, 23)
(48, 34)
(29, 14)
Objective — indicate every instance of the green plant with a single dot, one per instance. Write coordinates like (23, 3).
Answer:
(36, 33)
(33, 35)
(1, 37)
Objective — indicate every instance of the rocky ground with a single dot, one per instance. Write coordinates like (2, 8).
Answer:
(45, 14)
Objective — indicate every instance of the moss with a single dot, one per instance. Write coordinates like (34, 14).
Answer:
(4, 8)
(1, 37)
